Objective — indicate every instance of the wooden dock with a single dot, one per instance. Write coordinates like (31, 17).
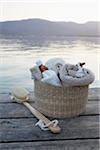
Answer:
(18, 130)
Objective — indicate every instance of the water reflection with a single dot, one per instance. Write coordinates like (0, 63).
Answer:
(19, 53)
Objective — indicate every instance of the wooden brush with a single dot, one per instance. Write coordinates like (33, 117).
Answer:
(21, 95)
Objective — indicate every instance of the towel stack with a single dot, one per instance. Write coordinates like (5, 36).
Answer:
(59, 73)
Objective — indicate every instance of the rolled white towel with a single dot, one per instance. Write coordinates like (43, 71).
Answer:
(69, 80)
(55, 64)
(72, 73)
(50, 77)
(80, 72)
(68, 69)
(70, 66)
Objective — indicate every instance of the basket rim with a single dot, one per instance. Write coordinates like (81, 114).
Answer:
(58, 87)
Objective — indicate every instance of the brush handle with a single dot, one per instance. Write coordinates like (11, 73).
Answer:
(37, 114)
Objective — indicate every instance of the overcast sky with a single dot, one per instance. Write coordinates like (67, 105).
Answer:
(55, 10)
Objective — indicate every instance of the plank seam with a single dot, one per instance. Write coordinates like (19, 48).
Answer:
(48, 117)
(74, 139)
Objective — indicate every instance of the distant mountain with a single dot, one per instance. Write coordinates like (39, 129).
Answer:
(42, 27)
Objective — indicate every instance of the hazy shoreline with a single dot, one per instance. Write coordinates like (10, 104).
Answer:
(42, 27)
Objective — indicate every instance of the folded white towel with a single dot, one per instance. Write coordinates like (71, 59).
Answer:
(49, 76)
(35, 72)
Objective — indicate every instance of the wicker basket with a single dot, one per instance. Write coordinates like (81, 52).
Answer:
(60, 102)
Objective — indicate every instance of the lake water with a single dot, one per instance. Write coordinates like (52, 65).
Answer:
(18, 54)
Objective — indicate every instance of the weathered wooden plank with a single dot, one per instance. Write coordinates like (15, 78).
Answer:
(94, 94)
(92, 108)
(24, 129)
(91, 144)
(14, 110)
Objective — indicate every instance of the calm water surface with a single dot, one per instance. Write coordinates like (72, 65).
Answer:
(18, 54)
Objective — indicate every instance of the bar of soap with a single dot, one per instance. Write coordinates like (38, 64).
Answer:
(20, 92)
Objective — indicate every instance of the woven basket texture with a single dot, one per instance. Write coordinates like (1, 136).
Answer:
(60, 102)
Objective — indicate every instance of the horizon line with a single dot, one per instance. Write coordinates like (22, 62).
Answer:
(48, 20)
